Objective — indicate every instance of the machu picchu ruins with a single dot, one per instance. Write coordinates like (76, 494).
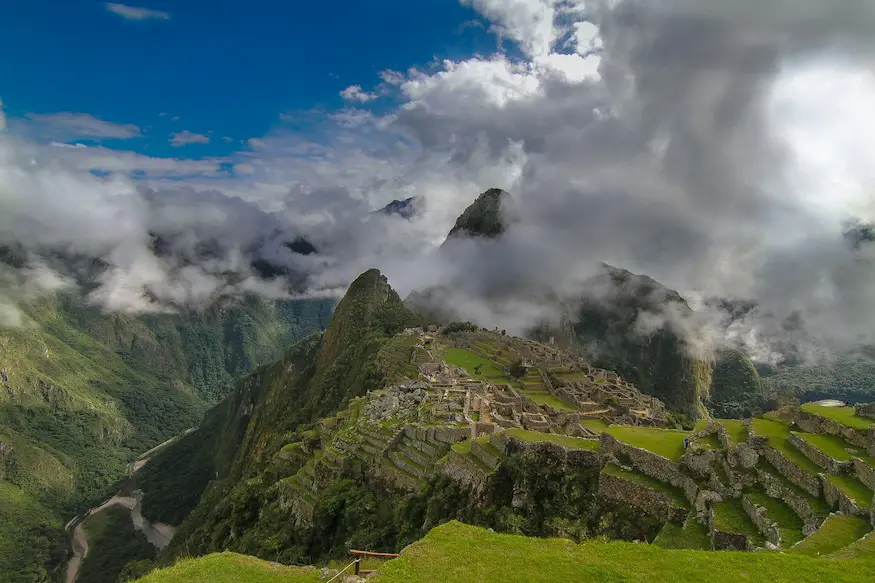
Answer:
(458, 406)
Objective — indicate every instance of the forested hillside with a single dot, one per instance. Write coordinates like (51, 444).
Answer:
(83, 392)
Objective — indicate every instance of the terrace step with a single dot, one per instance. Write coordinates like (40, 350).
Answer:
(836, 532)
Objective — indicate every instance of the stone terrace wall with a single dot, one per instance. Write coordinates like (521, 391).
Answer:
(836, 497)
(767, 527)
(811, 423)
(573, 458)
(726, 541)
(792, 472)
(655, 466)
(799, 504)
(832, 465)
(866, 410)
(656, 504)
(865, 473)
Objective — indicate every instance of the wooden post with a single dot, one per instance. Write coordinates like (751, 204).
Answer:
(357, 565)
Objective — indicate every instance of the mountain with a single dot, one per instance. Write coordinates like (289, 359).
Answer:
(482, 218)
(656, 357)
(603, 323)
(83, 392)
(405, 209)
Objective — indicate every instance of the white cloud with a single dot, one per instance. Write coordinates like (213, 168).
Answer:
(228, 139)
(134, 13)
(186, 137)
(355, 93)
(528, 22)
(2, 117)
(83, 125)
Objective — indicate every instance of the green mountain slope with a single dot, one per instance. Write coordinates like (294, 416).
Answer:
(82, 392)
(482, 218)
(736, 390)
(657, 359)
(240, 436)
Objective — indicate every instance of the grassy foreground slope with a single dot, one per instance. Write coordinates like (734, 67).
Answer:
(230, 568)
(455, 552)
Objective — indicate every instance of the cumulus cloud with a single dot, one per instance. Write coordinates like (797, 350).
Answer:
(184, 138)
(68, 125)
(356, 93)
(719, 147)
(133, 13)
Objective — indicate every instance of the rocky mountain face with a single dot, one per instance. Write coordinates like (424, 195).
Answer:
(482, 218)
(82, 392)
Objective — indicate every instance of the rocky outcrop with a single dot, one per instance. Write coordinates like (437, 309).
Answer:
(653, 503)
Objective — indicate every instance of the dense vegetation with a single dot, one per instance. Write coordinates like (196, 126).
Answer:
(850, 379)
(82, 393)
(112, 543)
(736, 391)
(658, 360)
(240, 436)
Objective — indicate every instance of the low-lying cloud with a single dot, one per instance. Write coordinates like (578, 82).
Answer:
(720, 148)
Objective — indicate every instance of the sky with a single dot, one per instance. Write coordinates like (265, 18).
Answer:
(723, 148)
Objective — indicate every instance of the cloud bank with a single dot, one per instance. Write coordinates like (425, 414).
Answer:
(721, 148)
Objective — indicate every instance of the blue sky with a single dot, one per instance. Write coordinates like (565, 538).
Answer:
(224, 68)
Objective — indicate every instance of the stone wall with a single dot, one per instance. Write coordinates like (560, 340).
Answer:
(726, 541)
(777, 489)
(811, 423)
(655, 466)
(833, 466)
(757, 514)
(573, 458)
(836, 497)
(656, 504)
(864, 472)
(792, 472)
(866, 410)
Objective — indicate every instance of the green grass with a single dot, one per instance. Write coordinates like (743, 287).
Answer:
(710, 441)
(547, 399)
(778, 435)
(864, 547)
(564, 440)
(597, 426)
(844, 415)
(735, 429)
(668, 443)
(676, 494)
(691, 535)
(832, 445)
(853, 488)
(729, 516)
(788, 521)
(835, 533)
(457, 553)
(468, 360)
(230, 568)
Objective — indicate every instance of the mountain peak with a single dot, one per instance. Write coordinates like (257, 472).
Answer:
(482, 218)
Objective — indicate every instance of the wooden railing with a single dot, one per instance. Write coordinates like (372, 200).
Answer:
(358, 559)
